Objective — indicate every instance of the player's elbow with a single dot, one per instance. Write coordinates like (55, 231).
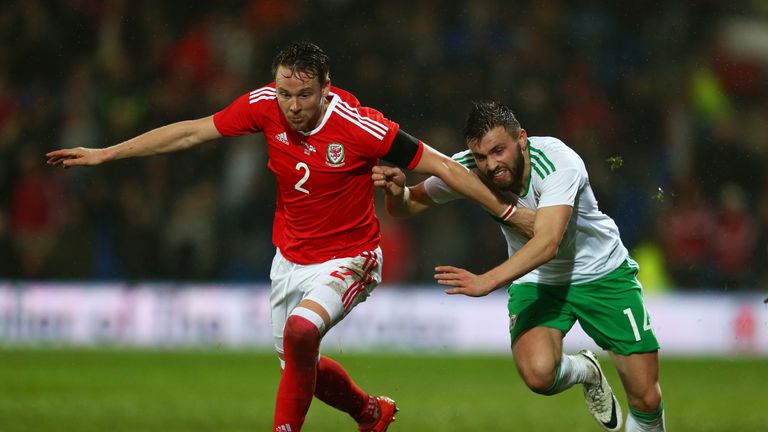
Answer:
(193, 137)
(450, 168)
(195, 132)
(547, 241)
(549, 250)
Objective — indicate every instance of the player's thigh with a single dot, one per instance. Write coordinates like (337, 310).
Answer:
(333, 288)
(539, 317)
(639, 374)
(532, 305)
(612, 312)
(341, 284)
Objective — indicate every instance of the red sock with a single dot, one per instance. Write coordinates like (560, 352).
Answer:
(336, 388)
(301, 342)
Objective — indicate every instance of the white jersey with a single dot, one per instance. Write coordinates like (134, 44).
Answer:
(591, 246)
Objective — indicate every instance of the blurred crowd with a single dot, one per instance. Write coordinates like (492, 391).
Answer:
(666, 102)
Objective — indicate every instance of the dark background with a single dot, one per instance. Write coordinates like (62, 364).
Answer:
(665, 102)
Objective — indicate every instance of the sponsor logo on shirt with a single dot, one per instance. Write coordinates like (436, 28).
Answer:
(282, 137)
(334, 157)
(308, 148)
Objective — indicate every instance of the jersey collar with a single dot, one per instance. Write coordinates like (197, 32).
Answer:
(334, 100)
(530, 171)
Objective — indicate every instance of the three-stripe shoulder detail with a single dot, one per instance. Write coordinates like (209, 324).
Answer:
(540, 163)
(373, 127)
(465, 158)
(264, 93)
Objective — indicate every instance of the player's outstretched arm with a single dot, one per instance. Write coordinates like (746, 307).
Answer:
(173, 137)
(463, 181)
(549, 228)
(400, 200)
(404, 201)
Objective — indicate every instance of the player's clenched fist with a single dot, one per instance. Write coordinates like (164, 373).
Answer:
(76, 156)
(391, 179)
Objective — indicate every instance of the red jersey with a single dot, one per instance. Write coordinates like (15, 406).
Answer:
(324, 189)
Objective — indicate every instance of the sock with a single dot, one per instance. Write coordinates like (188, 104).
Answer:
(573, 369)
(336, 388)
(301, 341)
(641, 421)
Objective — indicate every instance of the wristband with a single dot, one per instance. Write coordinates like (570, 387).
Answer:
(507, 213)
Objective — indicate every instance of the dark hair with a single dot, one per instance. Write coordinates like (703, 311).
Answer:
(304, 58)
(487, 115)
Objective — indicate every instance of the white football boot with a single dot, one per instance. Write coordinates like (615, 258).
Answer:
(601, 401)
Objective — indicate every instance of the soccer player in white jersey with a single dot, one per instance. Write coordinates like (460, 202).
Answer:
(322, 145)
(573, 267)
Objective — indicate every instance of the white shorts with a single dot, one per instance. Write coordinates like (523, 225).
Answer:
(337, 285)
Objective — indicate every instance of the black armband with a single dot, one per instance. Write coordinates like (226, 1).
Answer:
(404, 151)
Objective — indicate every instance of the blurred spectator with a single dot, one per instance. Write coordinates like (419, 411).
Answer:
(189, 242)
(246, 248)
(80, 127)
(103, 219)
(688, 228)
(446, 243)
(32, 218)
(71, 255)
(137, 242)
(650, 256)
(734, 239)
(677, 92)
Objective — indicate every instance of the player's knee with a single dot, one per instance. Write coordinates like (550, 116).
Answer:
(539, 377)
(649, 401)
(300, 334)
(540, 385)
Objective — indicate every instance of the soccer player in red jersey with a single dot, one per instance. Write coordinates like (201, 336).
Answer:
(322, 146)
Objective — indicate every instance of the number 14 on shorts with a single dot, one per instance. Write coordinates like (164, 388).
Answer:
(633, 322)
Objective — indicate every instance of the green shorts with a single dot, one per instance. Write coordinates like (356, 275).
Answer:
(609, 309)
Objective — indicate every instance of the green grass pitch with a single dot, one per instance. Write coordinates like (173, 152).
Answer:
(167, 391)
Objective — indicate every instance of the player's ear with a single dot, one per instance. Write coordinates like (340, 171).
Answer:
(523, 139)
(326, 87)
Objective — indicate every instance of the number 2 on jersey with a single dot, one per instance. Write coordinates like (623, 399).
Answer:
(631, 317)
(302, 166)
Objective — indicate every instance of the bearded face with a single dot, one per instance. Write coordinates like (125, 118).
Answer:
(499, 157)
